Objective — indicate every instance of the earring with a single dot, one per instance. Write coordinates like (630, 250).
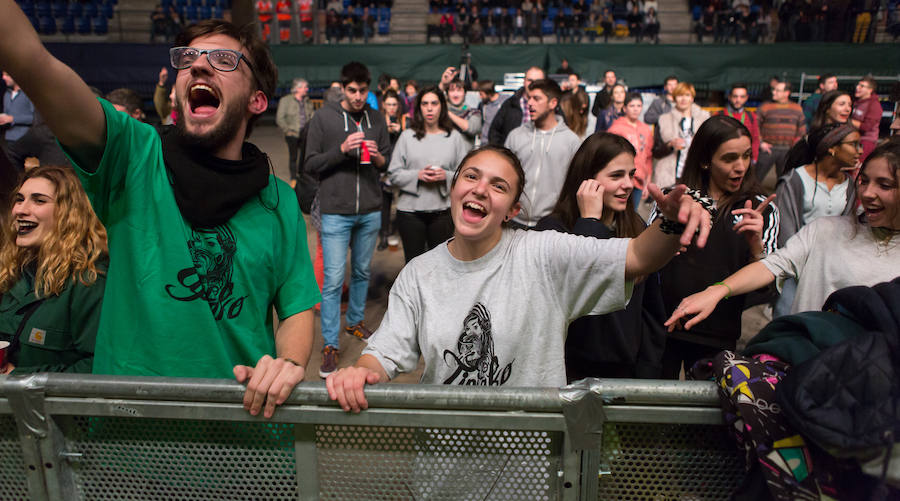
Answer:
(704, 167)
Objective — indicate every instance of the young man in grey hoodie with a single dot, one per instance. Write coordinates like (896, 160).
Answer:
(545, 147)
(348, 148)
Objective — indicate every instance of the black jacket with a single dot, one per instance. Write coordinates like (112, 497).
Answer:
(345, 185)
(508, 117)
(628, 343)
(847, 399)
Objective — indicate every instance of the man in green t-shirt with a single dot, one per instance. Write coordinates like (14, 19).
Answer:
(203, 241)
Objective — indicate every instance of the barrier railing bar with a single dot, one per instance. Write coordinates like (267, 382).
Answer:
(30, 425)
(418, 396)
(305, 414)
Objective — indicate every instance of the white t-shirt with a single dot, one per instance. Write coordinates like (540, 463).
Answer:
(500, 319)
(826, 255)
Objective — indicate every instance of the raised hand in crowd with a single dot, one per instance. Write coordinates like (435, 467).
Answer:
(751, 224)
(590, 199)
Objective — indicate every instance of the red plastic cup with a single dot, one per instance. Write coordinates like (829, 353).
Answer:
(4, 347)
(365, 157)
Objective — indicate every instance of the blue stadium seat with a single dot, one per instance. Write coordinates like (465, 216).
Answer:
(90, 9)
(567, 11)
(101, 26)
(166, 4)
(67, 27)
(76, 9)
(384, 13)
(547, 27)
(190, 14)
(384, 26)
(59, 8)
(27, 7)
(84, 25)
(205, 12)
(696, 13)
(181, 3)
(195, 3)
(42, 9)
(107, 9)
(47, 25)
(218, 13)
(552, 12)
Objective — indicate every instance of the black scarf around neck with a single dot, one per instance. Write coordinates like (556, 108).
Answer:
(210, 190)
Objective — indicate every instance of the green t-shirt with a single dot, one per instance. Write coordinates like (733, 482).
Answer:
(182, 301)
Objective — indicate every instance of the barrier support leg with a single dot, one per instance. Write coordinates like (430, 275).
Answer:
(307, 461)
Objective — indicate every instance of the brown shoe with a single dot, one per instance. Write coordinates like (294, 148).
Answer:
(359, 330)
(329, 361)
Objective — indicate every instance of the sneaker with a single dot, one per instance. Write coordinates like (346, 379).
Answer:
(382, 244)
(359, 330)
(329, 361)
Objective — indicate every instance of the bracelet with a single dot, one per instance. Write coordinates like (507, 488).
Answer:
(293, 362)
(726, 286)
(670, 227)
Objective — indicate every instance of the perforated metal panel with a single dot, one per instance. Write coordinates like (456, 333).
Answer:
(180, 459)
(386, 463)
(13, 483)
(663, 462)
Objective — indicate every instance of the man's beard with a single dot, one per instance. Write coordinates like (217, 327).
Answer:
(215, 138)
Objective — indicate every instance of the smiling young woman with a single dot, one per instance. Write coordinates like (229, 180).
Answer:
(52, 275)
(828, 254)
(490, 307)
(597, 201)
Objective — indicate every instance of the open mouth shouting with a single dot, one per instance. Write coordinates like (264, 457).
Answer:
(473, 212)
(203, 100)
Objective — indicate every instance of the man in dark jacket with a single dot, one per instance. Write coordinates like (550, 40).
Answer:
(604, 97)
(347, 147)
(514, 111)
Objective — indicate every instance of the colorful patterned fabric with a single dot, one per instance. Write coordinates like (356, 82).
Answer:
(747, 393)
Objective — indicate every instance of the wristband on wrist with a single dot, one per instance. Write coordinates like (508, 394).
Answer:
(291, 361)
(723, 284)
(670, 227)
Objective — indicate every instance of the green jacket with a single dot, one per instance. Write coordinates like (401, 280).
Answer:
(59, 335)
(288, 115)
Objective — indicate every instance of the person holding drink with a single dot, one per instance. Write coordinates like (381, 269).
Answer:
(349, 200)
(421, 168)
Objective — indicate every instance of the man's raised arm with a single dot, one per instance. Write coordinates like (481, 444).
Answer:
(63, 99)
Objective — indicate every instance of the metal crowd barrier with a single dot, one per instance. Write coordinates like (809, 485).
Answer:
(70, 437)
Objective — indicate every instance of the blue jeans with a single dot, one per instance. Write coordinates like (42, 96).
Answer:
(358, 232)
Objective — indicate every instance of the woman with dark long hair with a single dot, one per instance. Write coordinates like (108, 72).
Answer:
(396, 122)
(52, 275)
(744, 230)
(627, 343)
(422, 165)
(834, 108)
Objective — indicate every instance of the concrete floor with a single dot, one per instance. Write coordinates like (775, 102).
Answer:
(386, 265)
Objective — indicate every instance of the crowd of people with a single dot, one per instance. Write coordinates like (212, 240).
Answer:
(539, 250)
(563, 20)
(754, 21)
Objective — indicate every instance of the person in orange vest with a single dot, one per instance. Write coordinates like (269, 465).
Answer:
(305, 8)
(264, 11)
(283, 11)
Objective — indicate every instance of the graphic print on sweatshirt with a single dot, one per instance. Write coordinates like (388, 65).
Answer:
(474, 362)
(212, 252)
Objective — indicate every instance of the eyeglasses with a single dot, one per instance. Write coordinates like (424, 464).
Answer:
(856, 144)
(220, 59)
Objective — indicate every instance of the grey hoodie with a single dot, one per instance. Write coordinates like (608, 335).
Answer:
(545, 156)
(345, 186)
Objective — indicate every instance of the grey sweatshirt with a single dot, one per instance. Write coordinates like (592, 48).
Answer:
(412, 155)
(545, 155)
(500, 319)
(345, 185)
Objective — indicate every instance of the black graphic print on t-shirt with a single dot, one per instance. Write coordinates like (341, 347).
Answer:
(210, 278)
(474, 362)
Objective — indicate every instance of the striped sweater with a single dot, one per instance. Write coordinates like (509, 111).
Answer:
(781, 124)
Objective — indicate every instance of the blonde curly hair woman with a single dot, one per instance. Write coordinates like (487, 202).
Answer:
(52, 275)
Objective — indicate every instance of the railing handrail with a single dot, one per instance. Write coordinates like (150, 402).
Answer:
(395, 395)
